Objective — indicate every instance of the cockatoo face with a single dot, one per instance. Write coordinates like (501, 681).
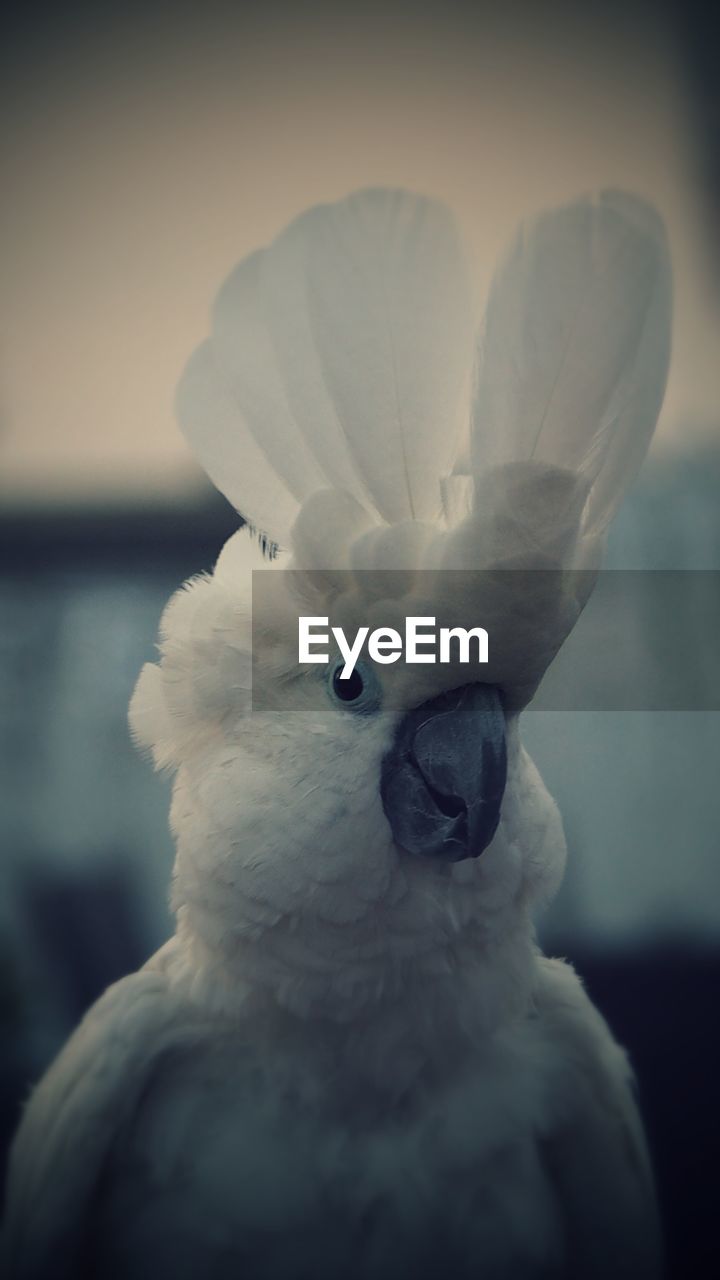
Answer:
(338, 844)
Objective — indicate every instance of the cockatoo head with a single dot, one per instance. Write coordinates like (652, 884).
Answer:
(339, 839)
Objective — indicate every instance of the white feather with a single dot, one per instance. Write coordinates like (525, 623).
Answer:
(286, 284)
(575, 346)
(390, 311)
(227, 447)
(338, 358)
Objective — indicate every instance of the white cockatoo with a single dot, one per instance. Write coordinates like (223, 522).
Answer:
(352, 1059)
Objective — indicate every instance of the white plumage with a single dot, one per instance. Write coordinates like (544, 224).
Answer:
(349, 1059)
(344, 350)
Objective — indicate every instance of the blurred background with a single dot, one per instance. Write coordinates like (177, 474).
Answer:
(144, 151)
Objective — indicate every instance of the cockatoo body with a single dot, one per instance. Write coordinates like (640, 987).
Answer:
(352, 1058)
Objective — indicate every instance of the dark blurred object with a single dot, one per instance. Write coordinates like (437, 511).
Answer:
(85, 854)
(86, 931)
(698, 30)
(662, 1006)
(178, 540)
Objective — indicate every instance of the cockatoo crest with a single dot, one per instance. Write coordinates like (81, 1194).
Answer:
(346, 356)
(349, 408)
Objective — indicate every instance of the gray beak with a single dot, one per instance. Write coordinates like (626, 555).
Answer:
(442, 781)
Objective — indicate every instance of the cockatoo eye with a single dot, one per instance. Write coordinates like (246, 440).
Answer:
(360, 692)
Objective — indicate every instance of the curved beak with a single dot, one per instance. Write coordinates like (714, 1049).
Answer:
(442, 782)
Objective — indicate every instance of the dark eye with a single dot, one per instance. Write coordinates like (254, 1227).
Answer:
(361, 692)
(348, 690)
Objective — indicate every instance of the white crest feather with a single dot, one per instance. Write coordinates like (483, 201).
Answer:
(575, 347)
(341, 358)
(338, 358)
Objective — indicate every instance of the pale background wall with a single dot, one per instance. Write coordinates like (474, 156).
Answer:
(149, 148)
